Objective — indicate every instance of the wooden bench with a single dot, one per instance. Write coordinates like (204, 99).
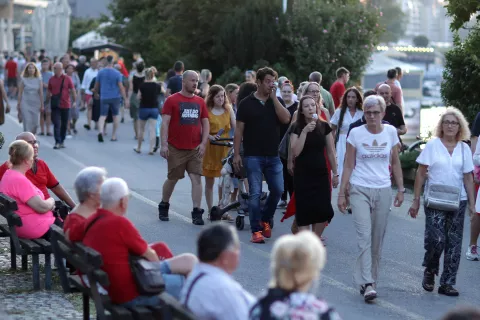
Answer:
(24, 247)
(89, 262)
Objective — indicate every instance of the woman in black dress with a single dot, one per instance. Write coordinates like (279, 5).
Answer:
(308, 141)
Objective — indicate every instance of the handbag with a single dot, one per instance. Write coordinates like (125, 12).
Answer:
(56, 99)
(443, 197)
(285, 144)
(147, 275)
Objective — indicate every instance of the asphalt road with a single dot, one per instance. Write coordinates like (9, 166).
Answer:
(400, 293)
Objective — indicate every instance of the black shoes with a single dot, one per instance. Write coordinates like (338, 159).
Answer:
(448, 290)
(163, 211)
(100, 137)
(428, 282)
(197, 217)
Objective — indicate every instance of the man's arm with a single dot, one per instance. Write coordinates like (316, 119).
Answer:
(401, 130)
(63, 195)
(124, 95)
(73, 94)
(282, 112)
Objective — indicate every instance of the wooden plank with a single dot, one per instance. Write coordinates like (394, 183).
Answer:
(78, 284)
(177, 309)
(5, 230)
(142, 313)
(44, 244)
(92, 256)
(30, 246)
(8, 202)
(119, 313)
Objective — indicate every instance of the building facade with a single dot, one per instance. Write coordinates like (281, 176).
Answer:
(89, 8)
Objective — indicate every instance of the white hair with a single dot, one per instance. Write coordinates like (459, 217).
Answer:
(88, 181)
(374, 100)
(112, 191)
(82, 59)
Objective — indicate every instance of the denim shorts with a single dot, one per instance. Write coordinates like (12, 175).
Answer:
(147, 113)
(173, 286)
(106, 104)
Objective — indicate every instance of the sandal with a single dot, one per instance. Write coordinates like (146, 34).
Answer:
(137, 151)
(227, 217)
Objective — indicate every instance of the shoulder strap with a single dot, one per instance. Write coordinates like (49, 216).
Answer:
(61, 86)
(91, 224)
(198, 277)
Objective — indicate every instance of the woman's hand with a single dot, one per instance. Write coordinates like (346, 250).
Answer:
(342, 203)
(413, 211)
(398, 199)
(335, 181)
(310, 127)
(213, 138)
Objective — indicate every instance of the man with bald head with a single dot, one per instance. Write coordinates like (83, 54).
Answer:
(316, 76)
(60, 92)
(184, 136)
(393, 114)
(40, 174)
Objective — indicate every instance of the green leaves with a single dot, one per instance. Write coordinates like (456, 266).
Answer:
(462, 11)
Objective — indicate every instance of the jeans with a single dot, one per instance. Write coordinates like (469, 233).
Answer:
(272, 169)
(147, 113)
(60, 121)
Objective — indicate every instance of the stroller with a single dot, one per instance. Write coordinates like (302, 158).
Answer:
(227, 187)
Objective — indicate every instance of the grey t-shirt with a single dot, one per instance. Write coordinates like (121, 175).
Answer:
(45, 77)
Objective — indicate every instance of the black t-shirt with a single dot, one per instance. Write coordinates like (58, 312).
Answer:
(476, 126)
(261, 135)
(137, 82)
(175, 84)
(284, 127)
(81, 68)
(312, 156)
(149, 94)
(393, 114)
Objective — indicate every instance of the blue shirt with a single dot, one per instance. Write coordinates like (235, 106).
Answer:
(108, 80)
(45, 77)
(175, 84)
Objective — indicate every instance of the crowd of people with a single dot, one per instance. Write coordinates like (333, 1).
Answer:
(301, 143)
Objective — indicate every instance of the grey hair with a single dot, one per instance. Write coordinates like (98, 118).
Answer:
(88, 181)
(112, 191)
(82, 59)
(372, 101)
(315, 76)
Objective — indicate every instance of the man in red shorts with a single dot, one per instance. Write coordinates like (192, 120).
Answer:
(185, 124)
(40, 174)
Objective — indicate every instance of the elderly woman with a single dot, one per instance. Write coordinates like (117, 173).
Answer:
(35, 211)
(370, 150)
(87, 187)
(448, 161)
(296, 264)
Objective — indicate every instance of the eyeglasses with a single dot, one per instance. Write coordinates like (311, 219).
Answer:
(372, 113)
(450, 123)
(313, 91)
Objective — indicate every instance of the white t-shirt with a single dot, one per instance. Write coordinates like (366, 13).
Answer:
(347, 119)
(372, 156)
(443, 168)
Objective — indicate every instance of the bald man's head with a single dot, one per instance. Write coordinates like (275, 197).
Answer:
(190, 81)
(31, 139)
(58, 69)
(385, 92)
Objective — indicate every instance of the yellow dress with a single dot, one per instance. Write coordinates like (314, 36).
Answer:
(212, 161)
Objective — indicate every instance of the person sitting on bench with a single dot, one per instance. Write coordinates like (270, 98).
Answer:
(115, 237)
(39, 174)
(33, 209)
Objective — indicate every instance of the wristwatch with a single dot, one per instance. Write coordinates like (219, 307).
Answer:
(402, 190)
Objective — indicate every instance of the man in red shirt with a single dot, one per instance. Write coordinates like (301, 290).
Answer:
(12, 74)
(60, 103)
(40, 174)
(115, 237)
(338, 87)
(185, 123)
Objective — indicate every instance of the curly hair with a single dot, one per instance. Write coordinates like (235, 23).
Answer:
(463, 130)
(214, 90)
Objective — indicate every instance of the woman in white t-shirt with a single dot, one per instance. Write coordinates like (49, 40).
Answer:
(370, 149)
(449, 162)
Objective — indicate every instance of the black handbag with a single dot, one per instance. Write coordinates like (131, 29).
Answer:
(147, 275)
(56, 99)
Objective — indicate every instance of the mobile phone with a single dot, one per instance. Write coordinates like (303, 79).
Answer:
(220, 132)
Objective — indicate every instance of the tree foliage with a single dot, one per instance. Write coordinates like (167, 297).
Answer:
(79, 27)
(462, 11)
(421, 41)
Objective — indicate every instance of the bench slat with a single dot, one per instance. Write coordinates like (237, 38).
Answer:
(30, 245)
(119, 313)
(177, 309)
(44, 244)
(142, 313)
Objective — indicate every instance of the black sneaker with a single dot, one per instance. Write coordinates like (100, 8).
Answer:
(197, 217)
(428, 282)
(86, 126)
(448, 290)
(100, 137)
(163, 211)
(56, 146)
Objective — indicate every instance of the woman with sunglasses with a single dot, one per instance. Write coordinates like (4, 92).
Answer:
(370, 149)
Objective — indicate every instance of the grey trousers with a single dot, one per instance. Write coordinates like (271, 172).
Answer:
(370, 209)
(444, 234)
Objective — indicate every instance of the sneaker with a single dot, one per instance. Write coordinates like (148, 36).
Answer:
(448, 290)
(100, 137)
(428, 282)
(62, 146)
(282, 204)
(56, 146)
(86, 126)
(257, 237)
(69, 136)
(472, 254)
(370, 294)
(197, 217)
(267, 231)
(163, 211)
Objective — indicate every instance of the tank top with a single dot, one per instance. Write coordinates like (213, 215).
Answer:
(137, 81)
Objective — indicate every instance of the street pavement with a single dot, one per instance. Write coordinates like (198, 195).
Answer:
(401, 295)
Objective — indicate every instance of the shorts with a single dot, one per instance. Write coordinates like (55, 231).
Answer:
(180, 161)
(106, 104)
(88, 97)
(134, 106)
(12, 82)
(147, 113)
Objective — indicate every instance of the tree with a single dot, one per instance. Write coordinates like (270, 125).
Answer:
(462, 11)
(79, 27)
(421, 41)
(392, 19)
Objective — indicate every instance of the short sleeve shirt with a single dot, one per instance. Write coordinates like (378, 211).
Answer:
(175, 84)
(74, 224)
(394, 116)
(19, 188)
(115, 238)
(54, 85)
(444, 168)
(337, 90)
(108, 80)
(372, 156)
(185, 129)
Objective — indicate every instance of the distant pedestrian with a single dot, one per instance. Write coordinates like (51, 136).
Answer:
(46, 114)
(338, 87)
(175, 83)
(30, 98)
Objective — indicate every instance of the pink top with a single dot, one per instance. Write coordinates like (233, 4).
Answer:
(19, 188)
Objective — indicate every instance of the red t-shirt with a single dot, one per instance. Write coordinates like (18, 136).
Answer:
(11, 67)
(115, 237)
(54, 85)
(185, 129)
(337, 90)
(43, 179)
(74, 224)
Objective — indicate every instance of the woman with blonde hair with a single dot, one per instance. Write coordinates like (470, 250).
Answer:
(295, 270)
(203, 84)
(148, 112)
(222, 120)
(449, 164)
(30, 98)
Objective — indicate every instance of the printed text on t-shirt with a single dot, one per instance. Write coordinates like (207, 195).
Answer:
(189, 113)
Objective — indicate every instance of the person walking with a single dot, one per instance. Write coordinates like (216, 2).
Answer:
(338, 87)
(449, 163)
(88, 76)
(30, 98)
(74, 110)
(370, 150)
(184, 137)
(136, 81)
(46, 114)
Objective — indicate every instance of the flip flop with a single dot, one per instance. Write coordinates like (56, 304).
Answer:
(137, 151)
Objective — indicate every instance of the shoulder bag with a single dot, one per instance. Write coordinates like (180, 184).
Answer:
(285, 144)
(55, 99)
(443, 197)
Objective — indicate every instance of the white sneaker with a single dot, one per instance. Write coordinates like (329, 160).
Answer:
(282, 204)
(472, 254)
(370, 294)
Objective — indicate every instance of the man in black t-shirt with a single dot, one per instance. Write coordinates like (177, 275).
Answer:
(393, 114)
(175, 83)
(259, 117)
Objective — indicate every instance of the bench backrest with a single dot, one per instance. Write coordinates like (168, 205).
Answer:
(8, 206)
